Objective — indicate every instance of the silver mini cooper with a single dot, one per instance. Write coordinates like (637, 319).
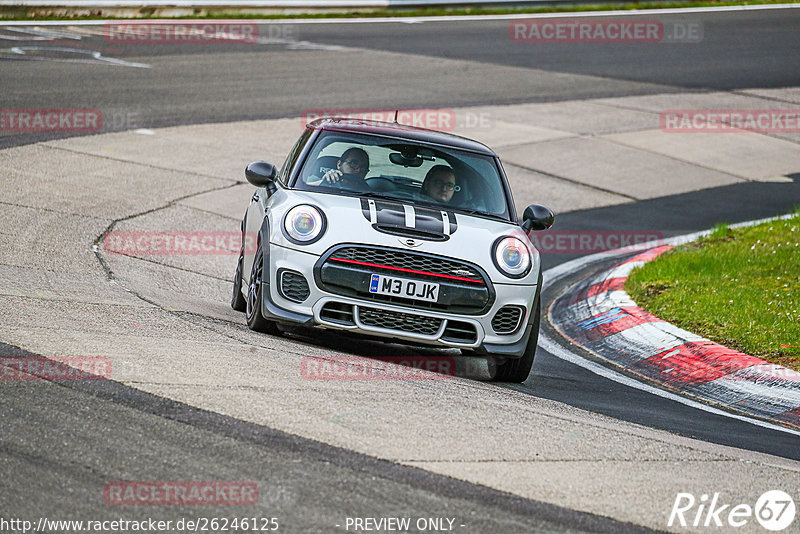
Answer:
(398, 232)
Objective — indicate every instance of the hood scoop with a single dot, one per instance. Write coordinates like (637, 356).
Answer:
(404, 231)
(408, 220)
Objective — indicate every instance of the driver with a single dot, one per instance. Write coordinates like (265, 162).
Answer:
(354, 161)
(440, 183)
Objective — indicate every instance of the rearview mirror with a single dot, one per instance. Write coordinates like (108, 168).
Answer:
(406, 160)
(537, 217)
(261, 173)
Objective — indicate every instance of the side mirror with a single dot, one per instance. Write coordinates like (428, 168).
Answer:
(261, 174)
(537, 217)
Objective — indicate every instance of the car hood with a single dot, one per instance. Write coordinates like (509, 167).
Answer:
(402, 225)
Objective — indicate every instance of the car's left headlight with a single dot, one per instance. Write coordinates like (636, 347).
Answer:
(512, 257)
(304, 224)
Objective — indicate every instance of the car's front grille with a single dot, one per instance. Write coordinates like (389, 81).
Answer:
(403, 322)
(415, 263)
(507, 319)
(293, 286)
(463, 287)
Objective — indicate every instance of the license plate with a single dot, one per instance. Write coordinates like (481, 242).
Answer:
(403, 287)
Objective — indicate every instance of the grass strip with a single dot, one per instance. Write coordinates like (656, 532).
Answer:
(740, 288)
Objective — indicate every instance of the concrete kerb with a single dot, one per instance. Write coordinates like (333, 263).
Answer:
(598, 315)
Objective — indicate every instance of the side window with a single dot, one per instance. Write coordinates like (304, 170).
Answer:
(291, 159)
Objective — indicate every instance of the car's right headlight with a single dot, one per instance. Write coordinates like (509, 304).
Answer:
(304, 224)
(511, 256)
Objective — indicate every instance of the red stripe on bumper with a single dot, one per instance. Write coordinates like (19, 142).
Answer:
(414, 271)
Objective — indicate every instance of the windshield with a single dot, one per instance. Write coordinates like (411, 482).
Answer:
(346, 163)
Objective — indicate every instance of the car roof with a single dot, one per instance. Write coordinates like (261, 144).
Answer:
(401, 131)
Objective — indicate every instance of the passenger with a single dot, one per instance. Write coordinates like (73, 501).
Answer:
(440, 183)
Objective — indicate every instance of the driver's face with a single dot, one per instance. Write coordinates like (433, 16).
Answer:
(353, 165)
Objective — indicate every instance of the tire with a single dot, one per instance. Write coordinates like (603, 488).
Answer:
(238, 302)
(518, 369)
(256, 321)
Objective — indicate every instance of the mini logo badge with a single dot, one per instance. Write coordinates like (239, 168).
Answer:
(411, 242)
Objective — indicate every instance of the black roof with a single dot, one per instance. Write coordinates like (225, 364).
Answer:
(402, 131)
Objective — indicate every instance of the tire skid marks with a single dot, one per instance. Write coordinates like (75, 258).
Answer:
(600, 316)
(69, 55)
(37, 33)
(46, 34)
(58, 51)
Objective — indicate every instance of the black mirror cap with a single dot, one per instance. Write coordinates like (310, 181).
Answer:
(261, 173)
(537, 217)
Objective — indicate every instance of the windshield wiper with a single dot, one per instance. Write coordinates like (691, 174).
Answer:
(481, 213)
(375, 194)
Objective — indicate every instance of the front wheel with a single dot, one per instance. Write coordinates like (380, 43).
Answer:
(518, 369)
(256, 321)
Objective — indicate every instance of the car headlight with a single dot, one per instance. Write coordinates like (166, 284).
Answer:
(512, 257)
(304, 224)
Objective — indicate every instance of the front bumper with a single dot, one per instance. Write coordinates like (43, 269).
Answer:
(441, 328)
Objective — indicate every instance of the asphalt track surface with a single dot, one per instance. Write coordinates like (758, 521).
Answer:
(124, 434)
(235, 81)
(120, 433)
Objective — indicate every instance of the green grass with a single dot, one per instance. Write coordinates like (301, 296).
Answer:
(740, 288)
(13, 12)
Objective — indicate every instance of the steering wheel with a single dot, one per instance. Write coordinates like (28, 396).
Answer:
(353, 182)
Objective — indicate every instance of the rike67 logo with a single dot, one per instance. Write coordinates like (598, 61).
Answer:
(774, 510)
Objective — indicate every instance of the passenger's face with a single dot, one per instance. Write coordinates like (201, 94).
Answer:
(353, 164)
(441, 186)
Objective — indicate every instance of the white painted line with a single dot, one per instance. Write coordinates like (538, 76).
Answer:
(410, 20)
